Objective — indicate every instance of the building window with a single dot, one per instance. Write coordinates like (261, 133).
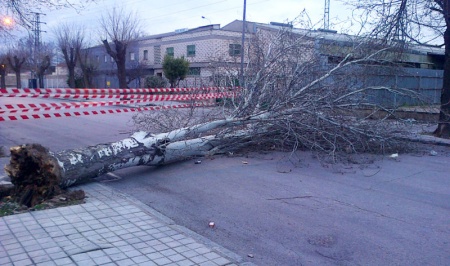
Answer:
(106, 58)
(98, 58)
(235, 49)
(112, 59)
(191, 50)
(132, 56)
(170, 51)
(145, 54)
(194, 71)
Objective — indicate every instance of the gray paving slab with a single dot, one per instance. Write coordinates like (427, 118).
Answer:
(109, 229)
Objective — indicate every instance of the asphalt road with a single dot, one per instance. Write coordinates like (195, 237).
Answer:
(276, 210)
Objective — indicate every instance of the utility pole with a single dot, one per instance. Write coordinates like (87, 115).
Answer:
(326, 15)
(36, 28)
(241, 78)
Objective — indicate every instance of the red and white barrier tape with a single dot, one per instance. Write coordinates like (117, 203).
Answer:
(159, 97)
(16, 108)
(97, 112)
(107, 91)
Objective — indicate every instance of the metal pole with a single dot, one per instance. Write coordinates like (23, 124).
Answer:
(241, 82)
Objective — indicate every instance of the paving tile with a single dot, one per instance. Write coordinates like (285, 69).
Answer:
(189, 254)
(37, 253)
(202, 250)
(211, 255)
(24, 262)
(102, 260)
(40, 259)
(96, 254)
(184, 263)
(160, 247)
(181, 249)
(162, 261)
(176, 258)
(57, 255)
(16, 251)
(118, 256)
(5, 261)
(208, 263)
(221, 261)
(112, 250)
(14, 245)
(125, 262)
(64, 261)
(154, 256)
(47, 263)
(133, 253)
(140, 259)
(147, 250)
(168, 252)
(199, 259)
(18, 257)
(80, 257)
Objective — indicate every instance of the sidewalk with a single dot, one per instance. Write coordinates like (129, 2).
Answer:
(109, 229)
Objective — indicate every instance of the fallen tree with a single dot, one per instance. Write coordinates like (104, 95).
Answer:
(290, 101)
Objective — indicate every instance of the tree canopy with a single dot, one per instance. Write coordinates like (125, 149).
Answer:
(418, 21)
(175, 69)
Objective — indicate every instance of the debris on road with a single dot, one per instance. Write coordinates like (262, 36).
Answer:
(393, 156)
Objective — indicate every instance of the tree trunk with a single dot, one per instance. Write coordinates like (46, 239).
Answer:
(71, 82)
(3, 79)
(443, 129)
(18, 80)
(39, 174)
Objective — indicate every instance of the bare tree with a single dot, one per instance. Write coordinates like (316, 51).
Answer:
(41, 62)
(420, 21)
(121, 28)
(88, 67)
(17, 57)
(70, 40)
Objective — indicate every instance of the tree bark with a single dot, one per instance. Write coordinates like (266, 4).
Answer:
(2, 77)
(443, 128)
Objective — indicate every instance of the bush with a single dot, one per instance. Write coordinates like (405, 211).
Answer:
(155, 82)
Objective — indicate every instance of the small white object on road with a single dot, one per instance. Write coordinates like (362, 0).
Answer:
(393, 156)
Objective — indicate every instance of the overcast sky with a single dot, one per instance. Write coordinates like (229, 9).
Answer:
(169, 15)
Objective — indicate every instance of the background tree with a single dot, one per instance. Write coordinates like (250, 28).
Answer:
(419, 21)
(88, 67)
(121, 28)
(70, 38)
(41, 62)
(175, 69)
(17, 57)
(3, 71)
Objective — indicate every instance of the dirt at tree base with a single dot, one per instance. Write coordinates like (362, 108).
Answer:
(9, 204)
(34, 173)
